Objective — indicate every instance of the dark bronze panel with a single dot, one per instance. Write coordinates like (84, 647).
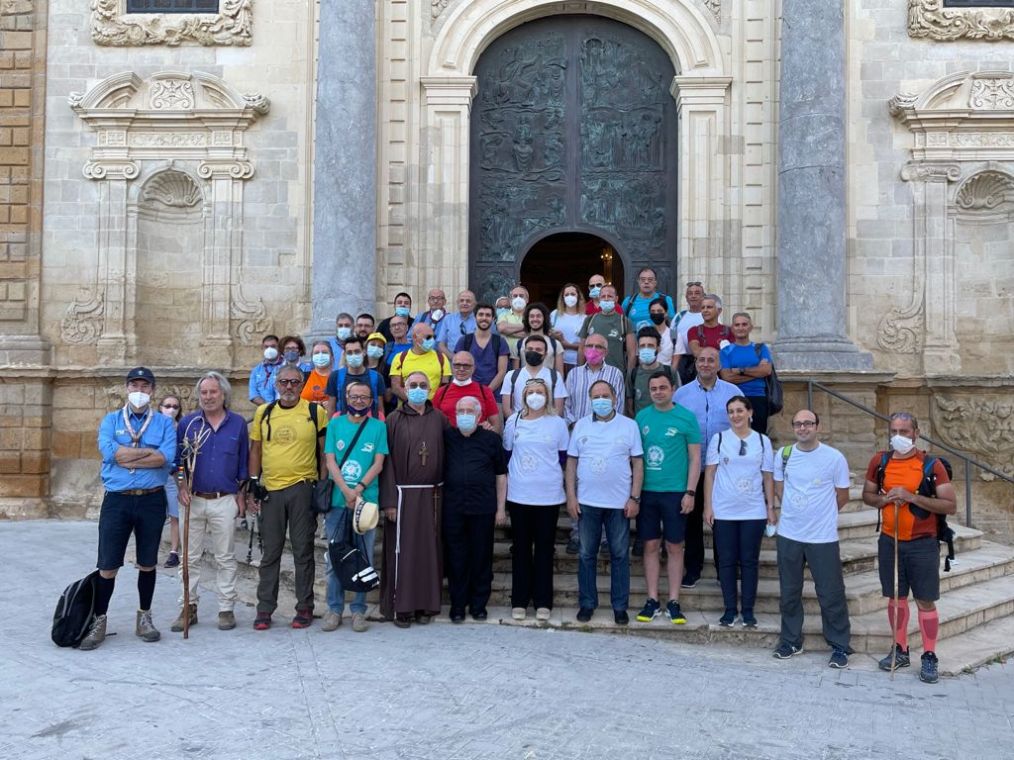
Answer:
(172, 6)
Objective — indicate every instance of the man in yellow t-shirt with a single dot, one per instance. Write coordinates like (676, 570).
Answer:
(285, 438)
(422, 357)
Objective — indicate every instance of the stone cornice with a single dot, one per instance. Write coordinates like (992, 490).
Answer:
(231, 26)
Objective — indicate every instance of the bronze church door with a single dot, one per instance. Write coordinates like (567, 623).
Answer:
(573, 130)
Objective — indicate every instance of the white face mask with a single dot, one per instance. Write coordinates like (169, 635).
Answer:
(462, 382)
(170, 413)
(536, 401)
(570, 300)
(902, 444)
(270, 353)
(518, 303)
(437, 315)
(138, 399)
(321, 359)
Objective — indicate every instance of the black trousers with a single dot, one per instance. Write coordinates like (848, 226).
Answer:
(760, 413)
(534, 531)
(468, 551)
(693, 547)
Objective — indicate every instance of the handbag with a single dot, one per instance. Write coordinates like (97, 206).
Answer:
(349, 562)
(323, 490)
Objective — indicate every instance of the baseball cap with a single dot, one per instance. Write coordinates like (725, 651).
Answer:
(377, 336)
(141, 373)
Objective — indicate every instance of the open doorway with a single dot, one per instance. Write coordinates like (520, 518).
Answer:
(568, 257)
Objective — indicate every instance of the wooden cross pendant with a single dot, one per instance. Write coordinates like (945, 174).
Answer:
(423, 453)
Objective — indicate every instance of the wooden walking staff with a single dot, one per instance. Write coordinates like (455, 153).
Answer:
(191, 449)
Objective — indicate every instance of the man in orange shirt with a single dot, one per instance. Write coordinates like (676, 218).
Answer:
(893, 485)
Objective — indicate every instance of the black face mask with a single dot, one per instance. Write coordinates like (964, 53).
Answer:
(658, 318)
(533, 358)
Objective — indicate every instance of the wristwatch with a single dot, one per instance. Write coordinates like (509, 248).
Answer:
(636, 499)
(690, 492)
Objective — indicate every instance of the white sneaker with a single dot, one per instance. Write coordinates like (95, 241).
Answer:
(332, 621)
(542, 614)
(519, 613)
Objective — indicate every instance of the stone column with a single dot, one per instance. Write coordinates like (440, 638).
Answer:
(811, 191)
(344, 269)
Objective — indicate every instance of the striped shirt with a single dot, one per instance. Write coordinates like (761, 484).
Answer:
(580, 381)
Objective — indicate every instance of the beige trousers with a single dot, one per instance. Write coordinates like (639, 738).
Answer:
(212, 524)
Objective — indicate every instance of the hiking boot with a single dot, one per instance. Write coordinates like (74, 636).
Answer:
(785, 651)
(620, 617)
(332, 622)
(650, 611)
(144, 628)
(901, 659)
(542, 614)
(672, 609)
(226, 620)
(263, 621)
(839, 658)
(177, 626)
(573, 546)
(928, 671)
(303, 619)
(173, 560)
(638, 550)
(96, 634)
(585, 614)
(359, 624)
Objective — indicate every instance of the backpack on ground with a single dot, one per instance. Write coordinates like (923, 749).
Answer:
(75, 612)
(927, 488)
(772, 386)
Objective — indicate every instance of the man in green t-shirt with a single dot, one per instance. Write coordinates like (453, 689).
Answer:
(613, 324)
(355, 448)
(672, 459)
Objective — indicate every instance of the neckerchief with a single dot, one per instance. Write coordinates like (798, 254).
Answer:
(136, 437)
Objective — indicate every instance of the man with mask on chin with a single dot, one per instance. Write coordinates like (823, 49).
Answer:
(894, 484)
(463, 385)
(262, 377)
(137, 445)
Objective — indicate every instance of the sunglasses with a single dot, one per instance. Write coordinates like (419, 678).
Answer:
(536, 381)
(462, 366)
(742, 448)
(694, 284)
(292, 382)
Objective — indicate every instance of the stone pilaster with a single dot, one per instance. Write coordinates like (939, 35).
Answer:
(811, 191)
(344, 270)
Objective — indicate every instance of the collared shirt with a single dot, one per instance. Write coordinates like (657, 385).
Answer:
(708, 406)
(262, 381)
(471, 465)
(222, 459)
(579, 382)
(337, 349)
(159, 435)
(452, 328)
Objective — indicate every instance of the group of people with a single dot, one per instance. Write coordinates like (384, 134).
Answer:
(498, 415)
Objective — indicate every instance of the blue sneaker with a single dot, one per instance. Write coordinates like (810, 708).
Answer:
(901, 659)
(785, 651)
(839, 658)
(650, 611)
(928, 671)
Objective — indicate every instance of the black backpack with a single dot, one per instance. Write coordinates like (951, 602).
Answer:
(927, 488)
(469, 339)
(75, 612)
(772, 386)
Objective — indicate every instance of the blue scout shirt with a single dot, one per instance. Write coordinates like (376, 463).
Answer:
(160, 435)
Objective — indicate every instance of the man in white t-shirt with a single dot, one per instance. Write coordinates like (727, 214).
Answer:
(812, 484)
(514, 383)
(604, 476)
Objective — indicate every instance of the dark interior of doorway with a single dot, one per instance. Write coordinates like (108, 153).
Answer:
(568, 257)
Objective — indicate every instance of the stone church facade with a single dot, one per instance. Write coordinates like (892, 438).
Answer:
(175, 185)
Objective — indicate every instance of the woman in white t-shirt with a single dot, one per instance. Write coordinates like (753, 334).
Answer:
(566, 321)
(536, 322)
(738, 504)
(536, 440)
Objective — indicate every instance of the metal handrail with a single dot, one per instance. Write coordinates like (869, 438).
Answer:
(811, 384)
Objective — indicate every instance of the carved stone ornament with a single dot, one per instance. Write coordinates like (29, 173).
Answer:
(931, 19)
(172, 95)
(986, 192)
(437, 7)
(172, 189)
(992, 93)
(83, 320)
(112, 26)
(980, 425)
(900, 331)
(250, 318)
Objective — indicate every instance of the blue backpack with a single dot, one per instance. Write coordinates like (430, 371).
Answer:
(340, 405)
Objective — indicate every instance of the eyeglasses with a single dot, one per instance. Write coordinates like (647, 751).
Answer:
(742, 448)
(360, 397)
(290, 383)
(694, 284)
(418, 385)
(462, 366)
(804, 424)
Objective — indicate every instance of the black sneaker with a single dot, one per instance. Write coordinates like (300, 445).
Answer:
(901, 659)
(585, 614)
(727, 620)
(749, 621)
(620, 617)
(928, 671)
(457, 616)
(638, 550)
(689, 581)
(650, 611)
(672, 609)
(573, 546)
(785, 651)
(839, 658)
(173, 560)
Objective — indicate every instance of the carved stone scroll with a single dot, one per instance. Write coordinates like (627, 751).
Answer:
(231, 26)
(933, 19)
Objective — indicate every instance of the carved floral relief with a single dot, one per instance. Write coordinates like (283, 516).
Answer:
(112, 26)
(932, 19)
(980, 425)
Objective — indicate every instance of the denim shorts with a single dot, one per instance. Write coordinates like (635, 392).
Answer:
(123, 515)
(660, 515)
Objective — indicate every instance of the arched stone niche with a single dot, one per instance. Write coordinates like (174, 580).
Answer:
(169, 149)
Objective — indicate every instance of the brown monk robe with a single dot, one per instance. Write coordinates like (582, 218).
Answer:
(412, 577)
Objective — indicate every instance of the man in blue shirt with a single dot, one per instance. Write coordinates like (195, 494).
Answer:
(747, 365)
(220, 470)
(456, 326)
(706, 397)
(637, 306)
(262, 377)
(137, 445)
(342, 332)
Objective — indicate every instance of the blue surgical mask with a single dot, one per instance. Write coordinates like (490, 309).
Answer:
(375, 352)
(501, 313)
(429, 344)
(292, 356)
(647, 355)
(344, 333)
(594, 291)
(467, 422)
(607, 305)
(417, 395)
(321, 359)
(603, 407)
(401, 311)
(354, 360)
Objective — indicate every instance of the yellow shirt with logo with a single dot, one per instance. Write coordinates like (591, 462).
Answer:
(291, 454)
(433, 364)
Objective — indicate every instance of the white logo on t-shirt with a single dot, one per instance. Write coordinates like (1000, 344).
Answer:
(367, 448)
(528, 463)
(744, 485)
(655, 456)
(352, 470)
(598, 465)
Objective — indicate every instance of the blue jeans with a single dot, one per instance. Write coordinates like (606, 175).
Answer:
(336, 521)
(593, 519)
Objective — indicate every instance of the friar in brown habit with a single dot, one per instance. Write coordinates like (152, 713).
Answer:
(410, 487)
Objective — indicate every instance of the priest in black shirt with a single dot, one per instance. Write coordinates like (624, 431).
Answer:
(475, 495)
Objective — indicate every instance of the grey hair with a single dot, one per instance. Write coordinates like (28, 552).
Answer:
(742, 314)
(907, 416)
(471, 401)
(713, 297)
(219, 378)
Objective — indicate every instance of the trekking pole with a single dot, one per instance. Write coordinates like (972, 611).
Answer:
(897, 605)
(191, 448)
(186, 567)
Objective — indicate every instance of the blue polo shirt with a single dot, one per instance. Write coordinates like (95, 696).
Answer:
(160, 436)
(708, 406)
(223, 457)
(735, 356)
(262, 381)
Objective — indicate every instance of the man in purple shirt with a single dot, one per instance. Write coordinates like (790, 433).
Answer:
(219, 472)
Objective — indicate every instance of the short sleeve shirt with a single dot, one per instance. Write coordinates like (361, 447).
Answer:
(908, 474)
(435, 366)
(471, 465)
(486, 357)
(735, 356)
(665, 437)
(615, 327)
(372, 441)
(809, 501)
(534, 475)
(738, 493)
(514, 388)
(603, 450)
(291, 454)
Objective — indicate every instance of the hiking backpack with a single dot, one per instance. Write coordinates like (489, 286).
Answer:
(772, 385)
(266, 419)
(75, 612)
(927, 488)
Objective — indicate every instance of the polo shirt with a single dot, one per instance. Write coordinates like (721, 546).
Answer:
(640, 312)
(446, 400)
(471, 464)
(433, 363)
(453, 327)
(665, 437)
(713, 336)
(223, 457)
(291, 454)
(486, 357)
(159, 435)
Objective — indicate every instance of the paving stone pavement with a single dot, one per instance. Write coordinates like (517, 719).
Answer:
(440, 691)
